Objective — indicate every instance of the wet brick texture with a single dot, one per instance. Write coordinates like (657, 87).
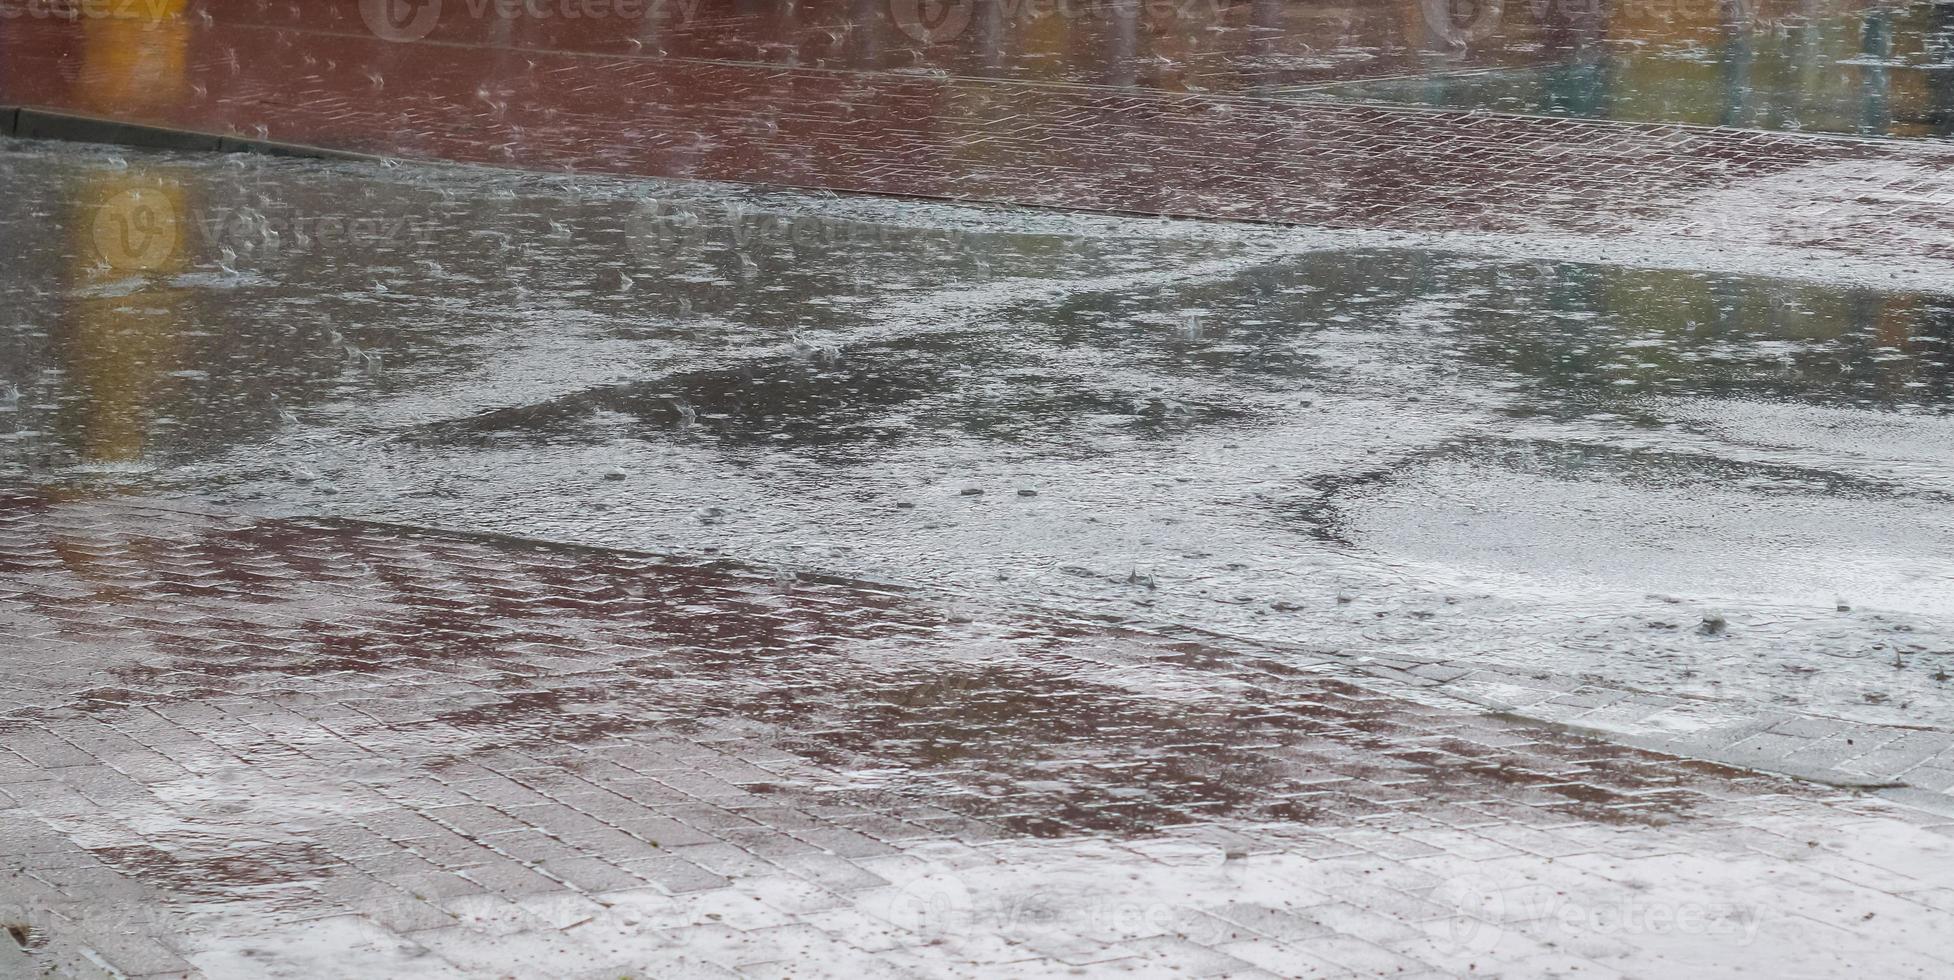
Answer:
(288, 744)
(1169, 44)
(1089, 147)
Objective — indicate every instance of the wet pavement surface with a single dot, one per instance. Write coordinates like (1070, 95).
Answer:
(1856, 68)
(1340, 442)
(1204, 546)
(1517, 546)
(551, 93)
(293, 748)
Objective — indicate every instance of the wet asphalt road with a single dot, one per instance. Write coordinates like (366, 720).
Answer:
(1705, 484)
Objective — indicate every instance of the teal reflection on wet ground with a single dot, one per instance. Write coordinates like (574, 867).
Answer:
(1871, 70)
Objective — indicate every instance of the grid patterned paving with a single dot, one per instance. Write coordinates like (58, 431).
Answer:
(1079, 147)
(242, 747)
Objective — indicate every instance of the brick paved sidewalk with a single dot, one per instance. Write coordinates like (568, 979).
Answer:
(245, 748)
(1091, 147)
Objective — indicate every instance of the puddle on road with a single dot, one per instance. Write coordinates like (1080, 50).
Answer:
(281, 292)
(1233, 427)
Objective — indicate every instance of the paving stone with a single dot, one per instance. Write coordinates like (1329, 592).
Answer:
(1334, 829)
(882, 131)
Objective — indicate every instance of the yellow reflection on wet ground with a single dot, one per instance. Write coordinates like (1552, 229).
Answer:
(134, 56)
(127, 232)
(121, 331)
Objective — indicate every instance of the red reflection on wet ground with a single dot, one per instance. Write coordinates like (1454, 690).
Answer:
(543, 100)
(1194, 45)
